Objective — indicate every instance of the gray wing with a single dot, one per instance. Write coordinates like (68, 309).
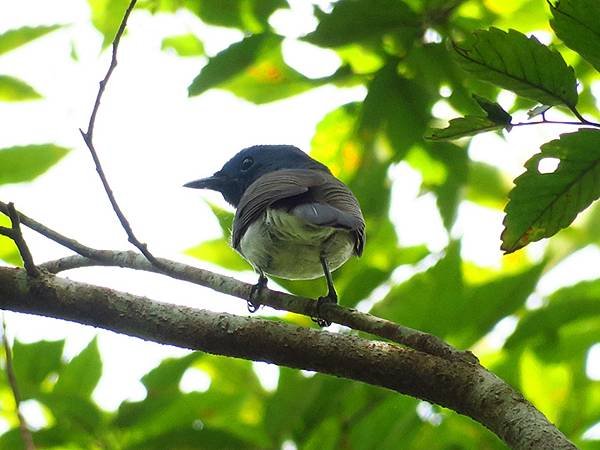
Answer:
(317, 197)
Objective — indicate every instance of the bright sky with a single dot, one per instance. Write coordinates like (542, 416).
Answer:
(152, 138)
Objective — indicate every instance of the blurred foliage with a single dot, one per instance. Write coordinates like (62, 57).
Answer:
(409, 56)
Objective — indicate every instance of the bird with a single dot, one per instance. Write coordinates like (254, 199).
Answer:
(294, 219)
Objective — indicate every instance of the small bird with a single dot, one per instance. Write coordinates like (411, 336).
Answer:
(293, 218)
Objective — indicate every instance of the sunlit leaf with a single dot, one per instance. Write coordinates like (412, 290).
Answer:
(81, 374)
(437, 289)
(8, 250)
(486, 185)
(107, 16)
(324, 436)
(570, 305)
(13, 90)
(15, 38)
(164, 378)
(577, 23)
(523, 65)
(463, 127)
(19, 164)
(220, 253)
(356, 20)
(248, 15)
(254, 69)
(550, 395)
(184, 45)
(543, 203)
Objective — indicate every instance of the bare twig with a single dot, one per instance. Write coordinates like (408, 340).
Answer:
(356, 320)
(17, 236)
(12, 381)
(88, 137)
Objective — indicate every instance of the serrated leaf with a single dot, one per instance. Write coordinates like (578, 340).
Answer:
(19, 164)
(543, 203)
(107, 16)
(523, 65)
(183, 44)
(463, 127)
(219, 252)
(14, 90)
(81, 375)
(356, 20)
(577, 24)
(494, 111)
(20, 36)
(254, 69)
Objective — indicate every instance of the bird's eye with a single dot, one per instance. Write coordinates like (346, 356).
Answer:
(247, 163)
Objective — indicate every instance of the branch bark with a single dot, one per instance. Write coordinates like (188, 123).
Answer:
(464, 387)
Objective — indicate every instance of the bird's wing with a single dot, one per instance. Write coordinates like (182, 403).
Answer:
(314, 196)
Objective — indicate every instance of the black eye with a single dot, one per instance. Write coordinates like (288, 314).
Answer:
(247, 163)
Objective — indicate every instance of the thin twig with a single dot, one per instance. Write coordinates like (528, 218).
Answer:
(17, 236)
(88, 137)
(12, 381)
(356, 320)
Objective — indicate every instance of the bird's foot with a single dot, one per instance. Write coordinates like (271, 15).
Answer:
(328, 299)
(253, 302)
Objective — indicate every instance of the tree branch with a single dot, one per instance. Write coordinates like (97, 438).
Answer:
(88, 137)
(16, 235)
(466, 388)
(356, 320)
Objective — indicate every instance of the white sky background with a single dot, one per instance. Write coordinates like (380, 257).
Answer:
(152, 138)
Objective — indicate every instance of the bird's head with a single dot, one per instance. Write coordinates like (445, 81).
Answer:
(250, 164)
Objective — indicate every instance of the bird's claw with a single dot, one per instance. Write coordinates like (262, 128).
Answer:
(320, 302)
(253, 303)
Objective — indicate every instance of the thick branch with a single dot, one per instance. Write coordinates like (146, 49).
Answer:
(466, 388)
(227, 285)
(351, 318)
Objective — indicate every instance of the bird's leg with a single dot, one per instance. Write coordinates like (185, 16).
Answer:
(253, 303)
(331, 296)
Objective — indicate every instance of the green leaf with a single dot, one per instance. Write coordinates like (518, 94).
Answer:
(437, 289)
(357, 20)
(219, 252)
(487, 303)
(570, 305)
(81, 375)
(20, 36)
(463, 127)
(34, 362)
(107, 16)
(184, 45)
(14, 90)
(224, 217)
(486, 185)
(523, 65)
(8, 250)
(577, 23)
(543, 203)
(254, 69)
(19, 164)
(247, 15)
(494, 111)
(324, 436)
(165, 378)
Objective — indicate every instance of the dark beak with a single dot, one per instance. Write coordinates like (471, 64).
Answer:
(215, 183)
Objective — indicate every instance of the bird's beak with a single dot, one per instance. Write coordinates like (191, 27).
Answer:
(215, 183)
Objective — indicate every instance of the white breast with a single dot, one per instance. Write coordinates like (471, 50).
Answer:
(282, 245)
